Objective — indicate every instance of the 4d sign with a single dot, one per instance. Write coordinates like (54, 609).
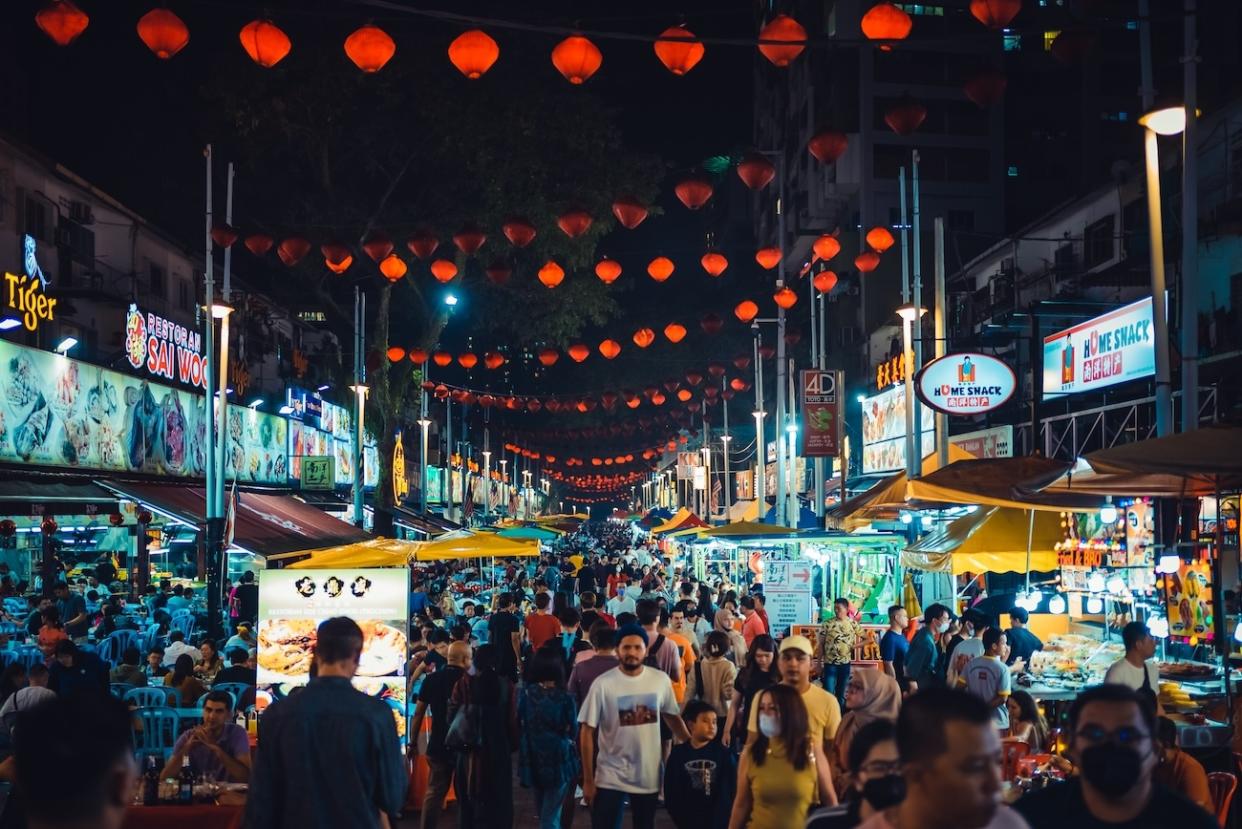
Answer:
(965, 384)
(27, 293)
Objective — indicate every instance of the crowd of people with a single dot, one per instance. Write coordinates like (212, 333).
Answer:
(607, 681)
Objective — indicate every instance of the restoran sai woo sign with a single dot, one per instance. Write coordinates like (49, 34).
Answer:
(164, 348)
(965, 383)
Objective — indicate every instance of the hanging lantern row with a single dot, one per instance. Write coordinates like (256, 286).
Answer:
(584, 404)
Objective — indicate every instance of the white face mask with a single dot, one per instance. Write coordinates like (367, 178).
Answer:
(769, 725)
(944, 627)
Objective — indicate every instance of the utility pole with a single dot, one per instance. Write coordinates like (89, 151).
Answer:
(940, 328)
(1190, 227)
(912, 402)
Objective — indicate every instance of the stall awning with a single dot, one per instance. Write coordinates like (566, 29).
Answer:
(375, 552)
(744, 510)
(530, 533)
(1206, 459)
(887, 496)
(988, 541)
(476, 545)
(265, 523)
(53, 495)
(999, 482)
(416, 521)
(746, 529)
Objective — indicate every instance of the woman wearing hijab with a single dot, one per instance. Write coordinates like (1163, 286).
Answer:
(870, 695)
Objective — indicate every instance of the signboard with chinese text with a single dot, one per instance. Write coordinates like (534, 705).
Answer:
(821, 414)
(317, 472)
(965, 383)
(1112, 348)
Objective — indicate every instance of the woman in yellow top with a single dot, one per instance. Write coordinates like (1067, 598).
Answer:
(782, 770)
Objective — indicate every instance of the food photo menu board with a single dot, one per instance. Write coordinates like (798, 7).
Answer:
(293, 602)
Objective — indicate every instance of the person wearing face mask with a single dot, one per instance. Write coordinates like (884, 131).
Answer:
(951, 763)
(923, 659)
(1112, 741)
(876, 778)
(871, 695)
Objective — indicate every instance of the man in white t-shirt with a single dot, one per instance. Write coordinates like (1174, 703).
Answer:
(621, 718)
(23, 699)
(625, 601)
(973, 626)
(988, 677)
(951, 760)
(1133, 670)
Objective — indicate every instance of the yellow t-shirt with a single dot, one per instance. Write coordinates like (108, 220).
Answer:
(576, 561)
(822, 711)
(781, 795)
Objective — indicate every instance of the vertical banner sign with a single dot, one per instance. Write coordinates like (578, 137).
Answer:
(400, 483)
(821, 412)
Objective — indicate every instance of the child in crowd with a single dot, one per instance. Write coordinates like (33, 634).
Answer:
(700, 799)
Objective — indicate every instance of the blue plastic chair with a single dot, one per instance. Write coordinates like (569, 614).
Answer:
(158, 732)
(237, 690)
(16, 607)
(113, 647)
(120, 689)
(185, 624)
(153, 696)
(151, 638)
(29, 657)
(11, 628)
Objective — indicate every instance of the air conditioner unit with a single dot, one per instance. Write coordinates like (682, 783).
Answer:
(80, 212)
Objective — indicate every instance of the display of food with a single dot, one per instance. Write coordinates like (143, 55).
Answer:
(286, 648)
(1187, 670)
(1174, 698)
(1071, 657)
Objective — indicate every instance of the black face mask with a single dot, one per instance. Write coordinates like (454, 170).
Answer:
(882, 792)
(1112, 769)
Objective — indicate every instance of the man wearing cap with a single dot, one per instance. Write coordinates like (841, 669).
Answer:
(620, 734)
(822, 709)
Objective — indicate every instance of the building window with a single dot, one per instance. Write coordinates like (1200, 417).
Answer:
(1012, 42)
(37, 224)
(157, 283)
(1097, 241)
(921, 8)
(1012, 171)
(1050, 36)
(185, 297)
(961, 220)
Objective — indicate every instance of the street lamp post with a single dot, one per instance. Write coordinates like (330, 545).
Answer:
(423, 424)
(909, 313)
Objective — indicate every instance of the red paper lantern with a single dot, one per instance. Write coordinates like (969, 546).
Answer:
(785, 40)
(716, 370)
(679, 50)
(826, 247)
(223, 235)
(607, 270)
(577, 59)
(548, 356)
(995, 14)
(711, 323)
(756, 172)
(393, 267)
(396, 354)
(693, 191)
(442, 358)
(579, 352)
(574, 223)
(62, 21)
(675, 332)
(422, 243)
(884, 21)
(418, 355)
(824, 281)
(533, 406)
(370, 48)
(879, 238)
(660, 268)
(767, 351)
(468, 360)
(551, 274)
(443, 270)
(609, 399)
(292, 250)
(768, 258)
(714, 263)
(644, 337)
(785, 298)
(116, 519)
(827, 146)
(164, 33)
(632, 400)
(986, 87)
(610, 349)
(630, 212)
(473, 53)
(493, 360)
(441, 391)
(377, 246)
(741, 361)
(259, 243)
(793, 338)
(519, 231)
(746, 310)
(49, 526)
(905, 116)
(265, 42)
(684, 395)
(498, 272)
(867, 261)
(469, 239)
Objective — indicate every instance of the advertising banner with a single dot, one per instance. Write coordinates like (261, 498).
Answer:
(996, 442)
(884, 430)
(1188, 600)
(55, 411)
(965, 383)
(292, 603)
(821, 414)
(317, 472)
(1109, 349)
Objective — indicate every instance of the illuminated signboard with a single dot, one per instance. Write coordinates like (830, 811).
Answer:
(306, 406)
(164, 348)
(27, 293)
(884, 430)
(892, 370)
(1109, 349)
(965, 384)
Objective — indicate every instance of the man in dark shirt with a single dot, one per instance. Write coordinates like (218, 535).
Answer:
(1112, 733)
(586, 579)
(505, 632)
(331, 756)
(435, 694)
(35, 620)
(1022, 643)
(604, 641)
(246, 595)
(76, 672)
(894, 646)
(237, 670)
(72, 609)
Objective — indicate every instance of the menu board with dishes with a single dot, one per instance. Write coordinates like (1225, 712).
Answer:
(884, 430)
(1188, 600)
(292, 604)
(55, 411)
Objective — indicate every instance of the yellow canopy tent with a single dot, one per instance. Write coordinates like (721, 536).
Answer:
(999, 482)
(479, 545)
(888, 494)
(745, 528)
(375, 552)
(686, 533)
(989, 541)
(680, 516)
(744, 510)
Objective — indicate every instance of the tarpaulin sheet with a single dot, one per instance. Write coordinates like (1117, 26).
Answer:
(988, 541)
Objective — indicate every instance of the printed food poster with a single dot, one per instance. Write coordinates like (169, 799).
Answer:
(55, 411)
(292, 603)
(1188, 600)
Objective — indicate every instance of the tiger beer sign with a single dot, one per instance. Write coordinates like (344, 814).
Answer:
(821, 414)
(965, 383)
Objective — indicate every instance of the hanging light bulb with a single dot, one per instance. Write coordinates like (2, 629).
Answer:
(1108, 513)
(1158, 626)
(1168, 564)
(926, 521)
(1116, 585)
(1095, 583)
(1095, 605)
(1056, 604)
(906, 518)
